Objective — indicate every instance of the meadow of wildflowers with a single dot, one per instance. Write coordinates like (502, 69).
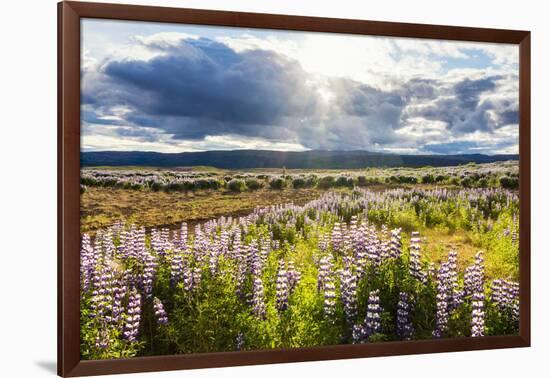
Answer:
(348, 267)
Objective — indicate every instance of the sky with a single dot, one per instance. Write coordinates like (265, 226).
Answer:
(182, 88)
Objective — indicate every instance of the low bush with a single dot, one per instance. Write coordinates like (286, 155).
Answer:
(236, 185)
(254, 184)
(277, 183)
(508, 182)
(326, 182)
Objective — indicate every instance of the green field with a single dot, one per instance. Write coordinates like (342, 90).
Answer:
(292, 262)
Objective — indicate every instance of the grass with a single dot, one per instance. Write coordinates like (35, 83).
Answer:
(101, 207)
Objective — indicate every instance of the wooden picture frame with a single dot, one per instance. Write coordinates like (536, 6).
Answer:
(69, 15)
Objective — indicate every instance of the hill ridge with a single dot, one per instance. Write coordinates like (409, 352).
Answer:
(314, 159)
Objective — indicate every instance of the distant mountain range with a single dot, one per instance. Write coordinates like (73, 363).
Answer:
(242, 159)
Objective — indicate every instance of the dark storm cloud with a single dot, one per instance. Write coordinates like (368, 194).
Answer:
(464, 111)
(143, 134)
(467, 147)
(201, 88)
(205, 88)
(509, 117)
(468, 91)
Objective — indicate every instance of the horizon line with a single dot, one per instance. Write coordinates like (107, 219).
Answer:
(304, 151)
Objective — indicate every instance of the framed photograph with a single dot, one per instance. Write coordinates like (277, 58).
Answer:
(239, 188)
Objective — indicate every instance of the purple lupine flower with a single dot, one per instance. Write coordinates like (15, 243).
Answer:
(325, 267)
(348, 290)
(376, 250)
(325, 283)
(236, 247)
(505, 294)
(102, 340)
(496, 292)
(371, 323)
(87, 262)
(359, 248)
(160, 313)
(373, 316)
(474, 276)
(329, 304)
(293, 276)
(395, 243)
(102, 294)
(176, 269)
(282, 288)
(240, 276)
(128, 243)
(213, 259)
(478, 314)
(254, 261)
(159, 241)
(258, 303)
(405, 328)
(415, 267)
(324, 242)
(132, 317)
(149, 270)
(474, 285)
(358, 333)
(264, 250)
(443, 298)
(337, 237)
(239, 342)
(119, 293)
(196, 279)
(107, 243)
(448, 296)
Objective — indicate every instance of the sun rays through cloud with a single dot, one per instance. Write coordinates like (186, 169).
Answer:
(178, 88)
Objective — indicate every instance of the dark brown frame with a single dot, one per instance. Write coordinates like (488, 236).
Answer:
(69, 15)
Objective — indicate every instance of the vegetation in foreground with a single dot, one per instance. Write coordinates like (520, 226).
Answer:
(344, 268)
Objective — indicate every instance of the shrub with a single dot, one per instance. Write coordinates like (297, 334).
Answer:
(298, 182)
(408, 179)
(236, 185)
(428, 179)
(277, 183)
(156, 186)
(509, 182)
(344, 181)
(253, 184)
(311, 181)
(483, 183)
(207, 184)
(454, 181)
(326, 182)
(174, 187)
(466, 182)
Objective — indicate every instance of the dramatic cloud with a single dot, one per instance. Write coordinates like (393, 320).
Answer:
(463, 110)
(173, 91)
